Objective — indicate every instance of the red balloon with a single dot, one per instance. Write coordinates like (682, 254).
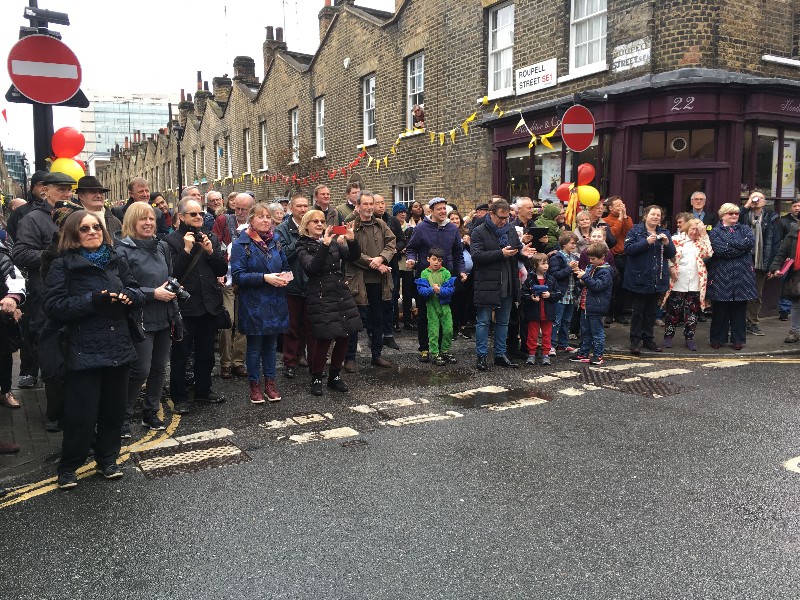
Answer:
(562, 191)
(67, 142)
(81, 163)
(585, 174)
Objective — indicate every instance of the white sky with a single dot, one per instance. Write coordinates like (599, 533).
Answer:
(157, 47)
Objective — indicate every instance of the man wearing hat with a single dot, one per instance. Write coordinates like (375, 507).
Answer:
(90, 195)
(480, 214)
(34, 234)
(35, 196)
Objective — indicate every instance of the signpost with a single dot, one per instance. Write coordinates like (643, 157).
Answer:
(44, 69)
(577, 128)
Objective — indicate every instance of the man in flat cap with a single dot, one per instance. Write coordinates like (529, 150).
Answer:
(35, 196)
(91, 195)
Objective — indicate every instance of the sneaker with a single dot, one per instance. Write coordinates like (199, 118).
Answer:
(667, 342)
(783, 316)
(67, 481)
(271, 390)
(451, 360)
(531, 360)
(596, 361)
(112, 471)
(659, 323)
(438, 360)
(573, 336)
(316, 386)
(552, 351)
(26, 382)
(465, 334)
(577, 357)
(792, 338)
(691, 345)
(546, 360)
(153, 422)
(424, 356)
(181, 408)
(125, 431)
(754, 329)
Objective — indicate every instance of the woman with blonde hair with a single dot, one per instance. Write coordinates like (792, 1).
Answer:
(686, 296)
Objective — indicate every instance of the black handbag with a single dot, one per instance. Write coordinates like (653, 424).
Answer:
(791, 287)
(10, 334)
(135, 327)
(222, 319)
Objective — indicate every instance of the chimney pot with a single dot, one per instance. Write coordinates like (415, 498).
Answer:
(270, 33)
(183, 95)
(205, 86)
(279, 34)
(199, 80)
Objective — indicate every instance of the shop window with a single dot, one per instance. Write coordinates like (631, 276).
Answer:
(501, 51)
(590, 155)
(653, 144)
(684, 144)
(791, 143)
(518, 169)
(766, 159)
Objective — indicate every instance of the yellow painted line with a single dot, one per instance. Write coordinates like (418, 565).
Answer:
(44, 486)
(753, 359)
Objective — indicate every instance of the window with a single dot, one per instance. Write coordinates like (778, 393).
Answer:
(247, 160)
(404, 194)
(228, 156)
(416, 85)
(217, 158)
(262, 128)
(194, 159)
(501, 50)
(294, 117)
(369, 110)
(320, 129)
(587, 49)
(203, 173)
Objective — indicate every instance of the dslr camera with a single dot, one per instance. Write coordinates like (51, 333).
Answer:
(176, 288)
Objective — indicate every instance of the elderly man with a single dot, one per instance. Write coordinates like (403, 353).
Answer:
(370, 278)
(35, 196)
(380, 212)
(197, 260)
(698, 202)
(764, 223)
(297, 338)
(214, 206)
(91, 196)
(322, 201)
(232, 344)
(34, 234)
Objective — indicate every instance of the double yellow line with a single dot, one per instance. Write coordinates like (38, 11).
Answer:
(152, 438)
(707, 359)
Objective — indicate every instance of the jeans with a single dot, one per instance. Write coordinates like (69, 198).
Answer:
(561, 323)
(593, 335)
(794, 305)
(502, 314)
(151, 366)
(261, 354)
(784, 305)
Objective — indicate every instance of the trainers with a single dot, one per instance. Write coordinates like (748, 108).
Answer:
(754, 329)
(552, 351)
(596, 361)
(316, 386)
(572, 336)
(792, 338)
(112, 471)
(271, 390)
(667, 343)
(27, 381)
(577, 357)
(125, 431)
(451, 360)
(67, 481)
(691, 345)
(438, 360)
(153, 422)
(531, 360)
(424, 356)
(546, 360)
(783, 316)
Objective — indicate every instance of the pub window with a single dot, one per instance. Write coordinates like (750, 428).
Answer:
(683, 144)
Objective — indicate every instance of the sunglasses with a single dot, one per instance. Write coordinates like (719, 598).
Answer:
(88, 228)
(193, 213)
(316, 221)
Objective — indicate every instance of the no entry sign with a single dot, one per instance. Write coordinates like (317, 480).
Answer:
(44, 69)
(577, 128)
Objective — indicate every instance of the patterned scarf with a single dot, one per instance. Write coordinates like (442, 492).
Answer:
(261, 240)
(99, 257)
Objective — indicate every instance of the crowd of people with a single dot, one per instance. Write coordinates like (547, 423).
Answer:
(110, 304)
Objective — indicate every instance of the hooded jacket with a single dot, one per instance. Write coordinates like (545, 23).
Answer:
(149, 267)
(548, 219)
(427, 235)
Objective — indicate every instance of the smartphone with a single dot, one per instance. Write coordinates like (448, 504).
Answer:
(339, 230)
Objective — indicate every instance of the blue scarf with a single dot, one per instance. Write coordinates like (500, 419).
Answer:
(500, 232)
(99, 257)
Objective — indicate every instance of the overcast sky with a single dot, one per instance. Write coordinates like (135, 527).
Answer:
(156, 45)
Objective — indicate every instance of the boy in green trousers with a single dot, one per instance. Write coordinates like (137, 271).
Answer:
(436, 285)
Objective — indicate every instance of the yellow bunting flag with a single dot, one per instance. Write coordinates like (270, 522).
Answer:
(433, 136)
(378, 165)
(385, 161)
(393, 150)
(369, 162)
(546, 142)
(485, 100)
(465, 127)
(532, 142)
(441, 139)
(472, 117)
(452, 136)
(520, 124)
(496, 108)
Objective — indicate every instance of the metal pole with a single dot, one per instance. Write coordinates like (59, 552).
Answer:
(42, 134)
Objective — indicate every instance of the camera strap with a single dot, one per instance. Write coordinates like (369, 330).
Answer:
(191, 266)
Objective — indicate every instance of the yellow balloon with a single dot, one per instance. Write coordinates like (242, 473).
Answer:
(68, 167)
(588, 195)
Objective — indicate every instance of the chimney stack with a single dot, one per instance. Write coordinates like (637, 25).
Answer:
(184, 108)
(244, 70)
(222, 89)
(271, 46)
(325, 17)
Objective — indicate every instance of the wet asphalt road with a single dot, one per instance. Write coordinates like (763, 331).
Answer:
(596, 493)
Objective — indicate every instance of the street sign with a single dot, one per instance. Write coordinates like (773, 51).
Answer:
(44, 69)
(577, 128)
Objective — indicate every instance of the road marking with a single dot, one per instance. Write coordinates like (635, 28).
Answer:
(424, 418)
(553, 377)
(384, 404)
(489, 389)
(587, 387)
(190, 456)
(200, 436)
(624, 367)
(793, 464)
(725, 364)
(326, 434)
(516, 404)
(298, 421)
(665, 373)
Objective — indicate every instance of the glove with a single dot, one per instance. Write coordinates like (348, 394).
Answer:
(6, 266)
(106, 307)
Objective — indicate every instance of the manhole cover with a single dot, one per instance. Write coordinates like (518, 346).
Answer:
(189, 458)
(598, 377)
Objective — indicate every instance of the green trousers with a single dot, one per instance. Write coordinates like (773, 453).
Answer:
(439, 315)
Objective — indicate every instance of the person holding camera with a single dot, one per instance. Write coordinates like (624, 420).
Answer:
(138, 244)
(648, 248)
(196, 260)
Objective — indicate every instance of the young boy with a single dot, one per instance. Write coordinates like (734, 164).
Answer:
(540, 295)
(437, 286)
(562, 264)
(597, 283)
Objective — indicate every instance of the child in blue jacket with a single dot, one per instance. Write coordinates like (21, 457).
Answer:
(597, 282)
(540, 294)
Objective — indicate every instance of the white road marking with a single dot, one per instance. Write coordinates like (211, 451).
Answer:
(327, 434)
(623, 367)
(724, 364)
(190, 456)
(200, 436)
(579, 392)
(376, 406)
(553, 377)
(665, 373)
(489, 389)
(424, 418)
(793, 464)
(516, 404)
(298, 420)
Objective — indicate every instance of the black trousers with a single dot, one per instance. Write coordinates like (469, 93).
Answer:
(618, 300)
(28, 352)
(94, 409)
(6, 364)
(729, 316)
(644, 316)
(372, 315)
(199, 337)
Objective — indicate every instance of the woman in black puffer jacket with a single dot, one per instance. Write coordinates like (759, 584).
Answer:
(331, 311)
(91, 290)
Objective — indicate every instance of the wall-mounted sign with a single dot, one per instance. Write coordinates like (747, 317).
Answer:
(537, 77)
(787, 177)
(631, 55)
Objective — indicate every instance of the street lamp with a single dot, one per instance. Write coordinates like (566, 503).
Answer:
(178, 130)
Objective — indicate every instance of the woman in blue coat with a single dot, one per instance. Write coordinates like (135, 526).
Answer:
(648, 247)
(260, 269)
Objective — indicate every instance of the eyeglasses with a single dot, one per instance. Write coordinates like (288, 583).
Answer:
(242, 209)
(733, 212)
(316, 221)
(499, 218)
(193, 213)
(88, 228)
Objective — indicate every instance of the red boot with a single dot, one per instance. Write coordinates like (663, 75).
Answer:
(255, 393)
(273, 395)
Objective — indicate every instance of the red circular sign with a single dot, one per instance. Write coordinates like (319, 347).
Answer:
(44, 69)
(577, 128)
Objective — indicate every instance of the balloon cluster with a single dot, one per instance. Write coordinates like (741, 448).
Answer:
(587, 194)
(67, 144)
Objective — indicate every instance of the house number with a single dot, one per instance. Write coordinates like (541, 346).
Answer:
(683, 103)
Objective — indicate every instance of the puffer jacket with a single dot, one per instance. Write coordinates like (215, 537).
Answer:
(94, 340)
(532, 309)
(427, 235)
(330, 307)
(446, 290)
(263, 309)
(731, 277)
(149, 267)
(647, 268)
(599, 284)
(289, 235)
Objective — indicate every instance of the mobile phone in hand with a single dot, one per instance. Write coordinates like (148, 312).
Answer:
(339, 230)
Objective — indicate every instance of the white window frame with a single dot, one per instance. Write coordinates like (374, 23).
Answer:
(597, 18)
(263, 132)
(248, 162)
(217, 159)
(404, 194)
(319, 121)
(203, 172)
(196, 174)
(294, 118)
(501, 49)
(368, 106)
(415, 85)
(229, 161)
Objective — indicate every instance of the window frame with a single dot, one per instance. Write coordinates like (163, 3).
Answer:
(248, 160)
(404, 194)
(294, 134)
(598, 65)
(229, 161)
(262, 129)
(218, 159)
(368, 110)
(413, 98)
(319, 125)
(496, 53)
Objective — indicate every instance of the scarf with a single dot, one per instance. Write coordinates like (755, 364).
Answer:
(261, 240)
(500, 232)
(758, 248)
(149, 245)
(99, 257)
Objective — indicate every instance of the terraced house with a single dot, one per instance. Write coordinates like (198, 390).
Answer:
(686, 95)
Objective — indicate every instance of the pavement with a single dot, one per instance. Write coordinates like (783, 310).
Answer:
(40, 450)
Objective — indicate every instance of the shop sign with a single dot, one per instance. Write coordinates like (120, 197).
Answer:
(631, 55)
(537, 77)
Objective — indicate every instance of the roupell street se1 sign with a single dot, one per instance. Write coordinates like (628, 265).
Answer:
(577, 128)
(44, 69)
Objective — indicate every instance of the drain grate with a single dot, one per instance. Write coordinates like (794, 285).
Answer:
(599, 377)
(189, 458)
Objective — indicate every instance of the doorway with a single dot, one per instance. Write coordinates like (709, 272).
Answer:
(671, 191)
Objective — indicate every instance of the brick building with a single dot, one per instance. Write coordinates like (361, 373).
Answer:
(686, 95)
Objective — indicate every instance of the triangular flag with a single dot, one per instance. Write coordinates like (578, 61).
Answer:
(501, 113)
(385, 161)
(441, 139)
(546, 142)
(5, 116)
(393, 150)
(465, 127)
(496, 108)
(472, 117)
(377, 165)
(532, 142)
(369, 162)
(453, 136)
(433, 136)
(520, 124)
(485, 100)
